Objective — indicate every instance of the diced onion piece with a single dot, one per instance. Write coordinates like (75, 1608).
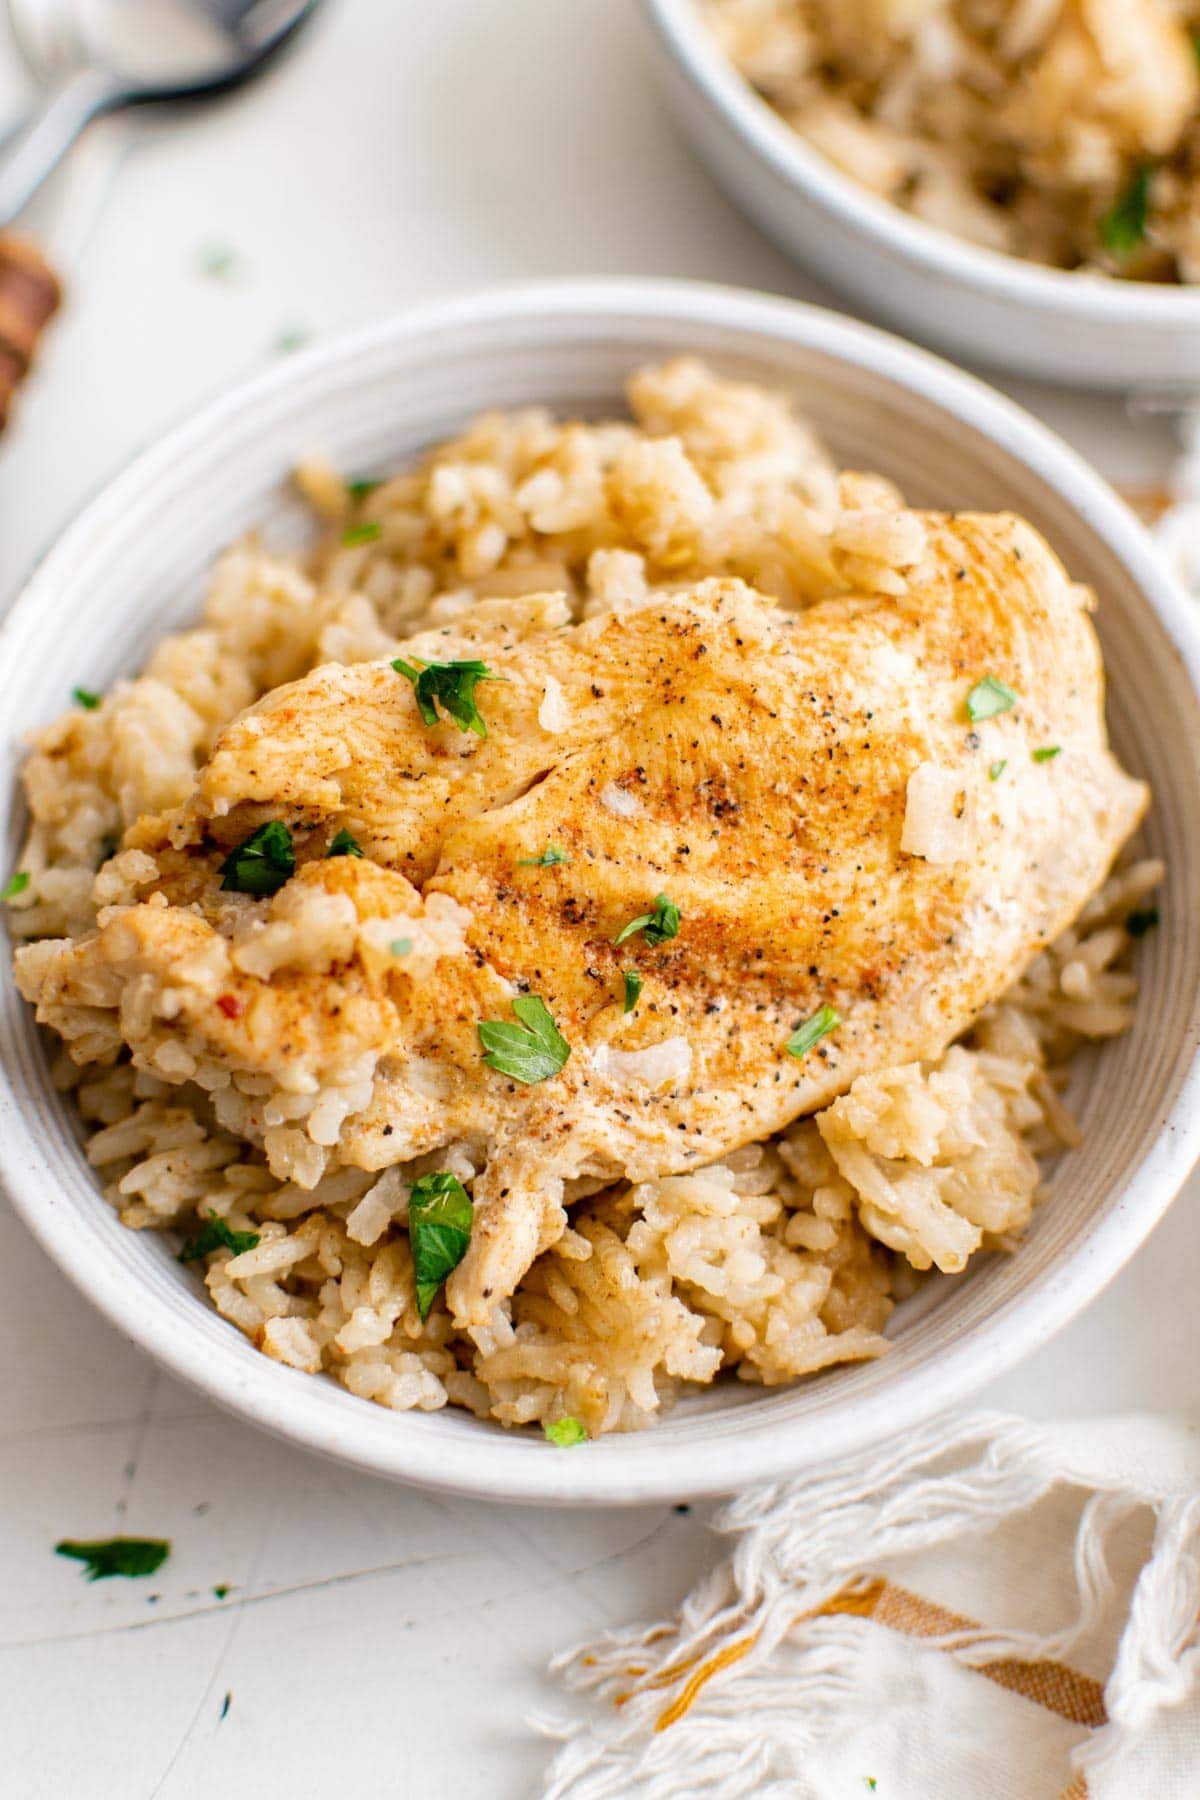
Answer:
(937, 822)
(657, 1066)
(620, 801)
(554, 714)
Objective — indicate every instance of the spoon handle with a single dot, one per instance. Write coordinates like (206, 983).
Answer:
(39, 144)
(29, 296)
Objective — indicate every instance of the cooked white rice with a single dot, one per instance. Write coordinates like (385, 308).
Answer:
(1067, 131)
(784, 1258)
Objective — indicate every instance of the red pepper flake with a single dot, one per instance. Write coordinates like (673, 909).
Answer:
(231, 1006)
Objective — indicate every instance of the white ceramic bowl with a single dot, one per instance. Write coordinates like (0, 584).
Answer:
(985, 306)
(132, 567)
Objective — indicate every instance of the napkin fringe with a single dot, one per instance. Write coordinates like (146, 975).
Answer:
(1158, 1659)
(729, 1696)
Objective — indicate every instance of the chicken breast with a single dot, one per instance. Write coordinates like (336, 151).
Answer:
(885, 806)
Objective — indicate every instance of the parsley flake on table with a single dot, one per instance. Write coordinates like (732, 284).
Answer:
(551, 855)
(117, 1556)
(365, 532)
(344, 845)
(823, 1021)
(16, 884)
(86, 698)
(450, 685)
(219, 262)
(292, 337)
(989, 697)
(1142, 920)
(633, 989)
(531, 1051)
(1123, 226)
(659, 925)
(564, 1432)
(1047, 753)
(440, 1216)
(262, 863)
(215, 1234)
(997, 769)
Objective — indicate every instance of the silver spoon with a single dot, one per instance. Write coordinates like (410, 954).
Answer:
(99, 56)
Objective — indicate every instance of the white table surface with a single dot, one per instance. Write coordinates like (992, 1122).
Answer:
(375, 1642)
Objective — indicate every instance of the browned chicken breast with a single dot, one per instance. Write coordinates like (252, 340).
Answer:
(883, 806)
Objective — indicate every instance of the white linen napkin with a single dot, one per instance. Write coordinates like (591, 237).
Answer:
(989, 1609)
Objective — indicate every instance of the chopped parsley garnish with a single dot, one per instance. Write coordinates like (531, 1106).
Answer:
(659, 925)
(450, 685)
(989, 697)
(550, 855)
(262, 863)
(633, 989)
(1123, 226)
(365, 532)
(530, 1052)
(1142, 920)
(564, 1432)
(86, 698)
(359, 490)
(218, 262)
(117, 1556)
(871, 1782)
(16, 884)
(1047, 753)
(222, 1590)
(823, 1021)
(400, 946)
(344, 845)
(997, 769)
(215, 1234)
(440, 1215)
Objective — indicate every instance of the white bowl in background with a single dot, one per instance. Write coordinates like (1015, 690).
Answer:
(133, 566)
(1090, 330)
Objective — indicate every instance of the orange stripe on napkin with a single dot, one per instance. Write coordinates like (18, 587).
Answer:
(1054, 1686)
(1149, 503)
